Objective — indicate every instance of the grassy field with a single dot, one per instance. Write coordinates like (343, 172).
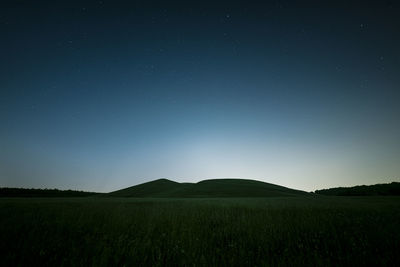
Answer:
(292, 231)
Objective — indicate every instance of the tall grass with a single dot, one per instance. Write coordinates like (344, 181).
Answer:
(200, 232)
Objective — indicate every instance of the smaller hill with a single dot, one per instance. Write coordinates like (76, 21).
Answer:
(208, 188)
(156, 188)
(236, 188)
(391, 189)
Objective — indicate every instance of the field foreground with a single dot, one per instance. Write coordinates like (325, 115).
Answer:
(324, 231)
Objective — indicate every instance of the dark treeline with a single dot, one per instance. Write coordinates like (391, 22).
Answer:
(392, 189)
(24, 192)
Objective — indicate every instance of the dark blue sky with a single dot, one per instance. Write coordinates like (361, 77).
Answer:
(100, 95)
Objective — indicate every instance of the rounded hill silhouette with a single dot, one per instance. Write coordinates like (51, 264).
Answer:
(208, 188)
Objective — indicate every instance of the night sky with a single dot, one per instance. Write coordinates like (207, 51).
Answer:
(101, 95)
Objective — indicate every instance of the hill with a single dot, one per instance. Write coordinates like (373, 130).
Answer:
(207, 188)
(25, 192)
(392, 189)
(156, 188)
